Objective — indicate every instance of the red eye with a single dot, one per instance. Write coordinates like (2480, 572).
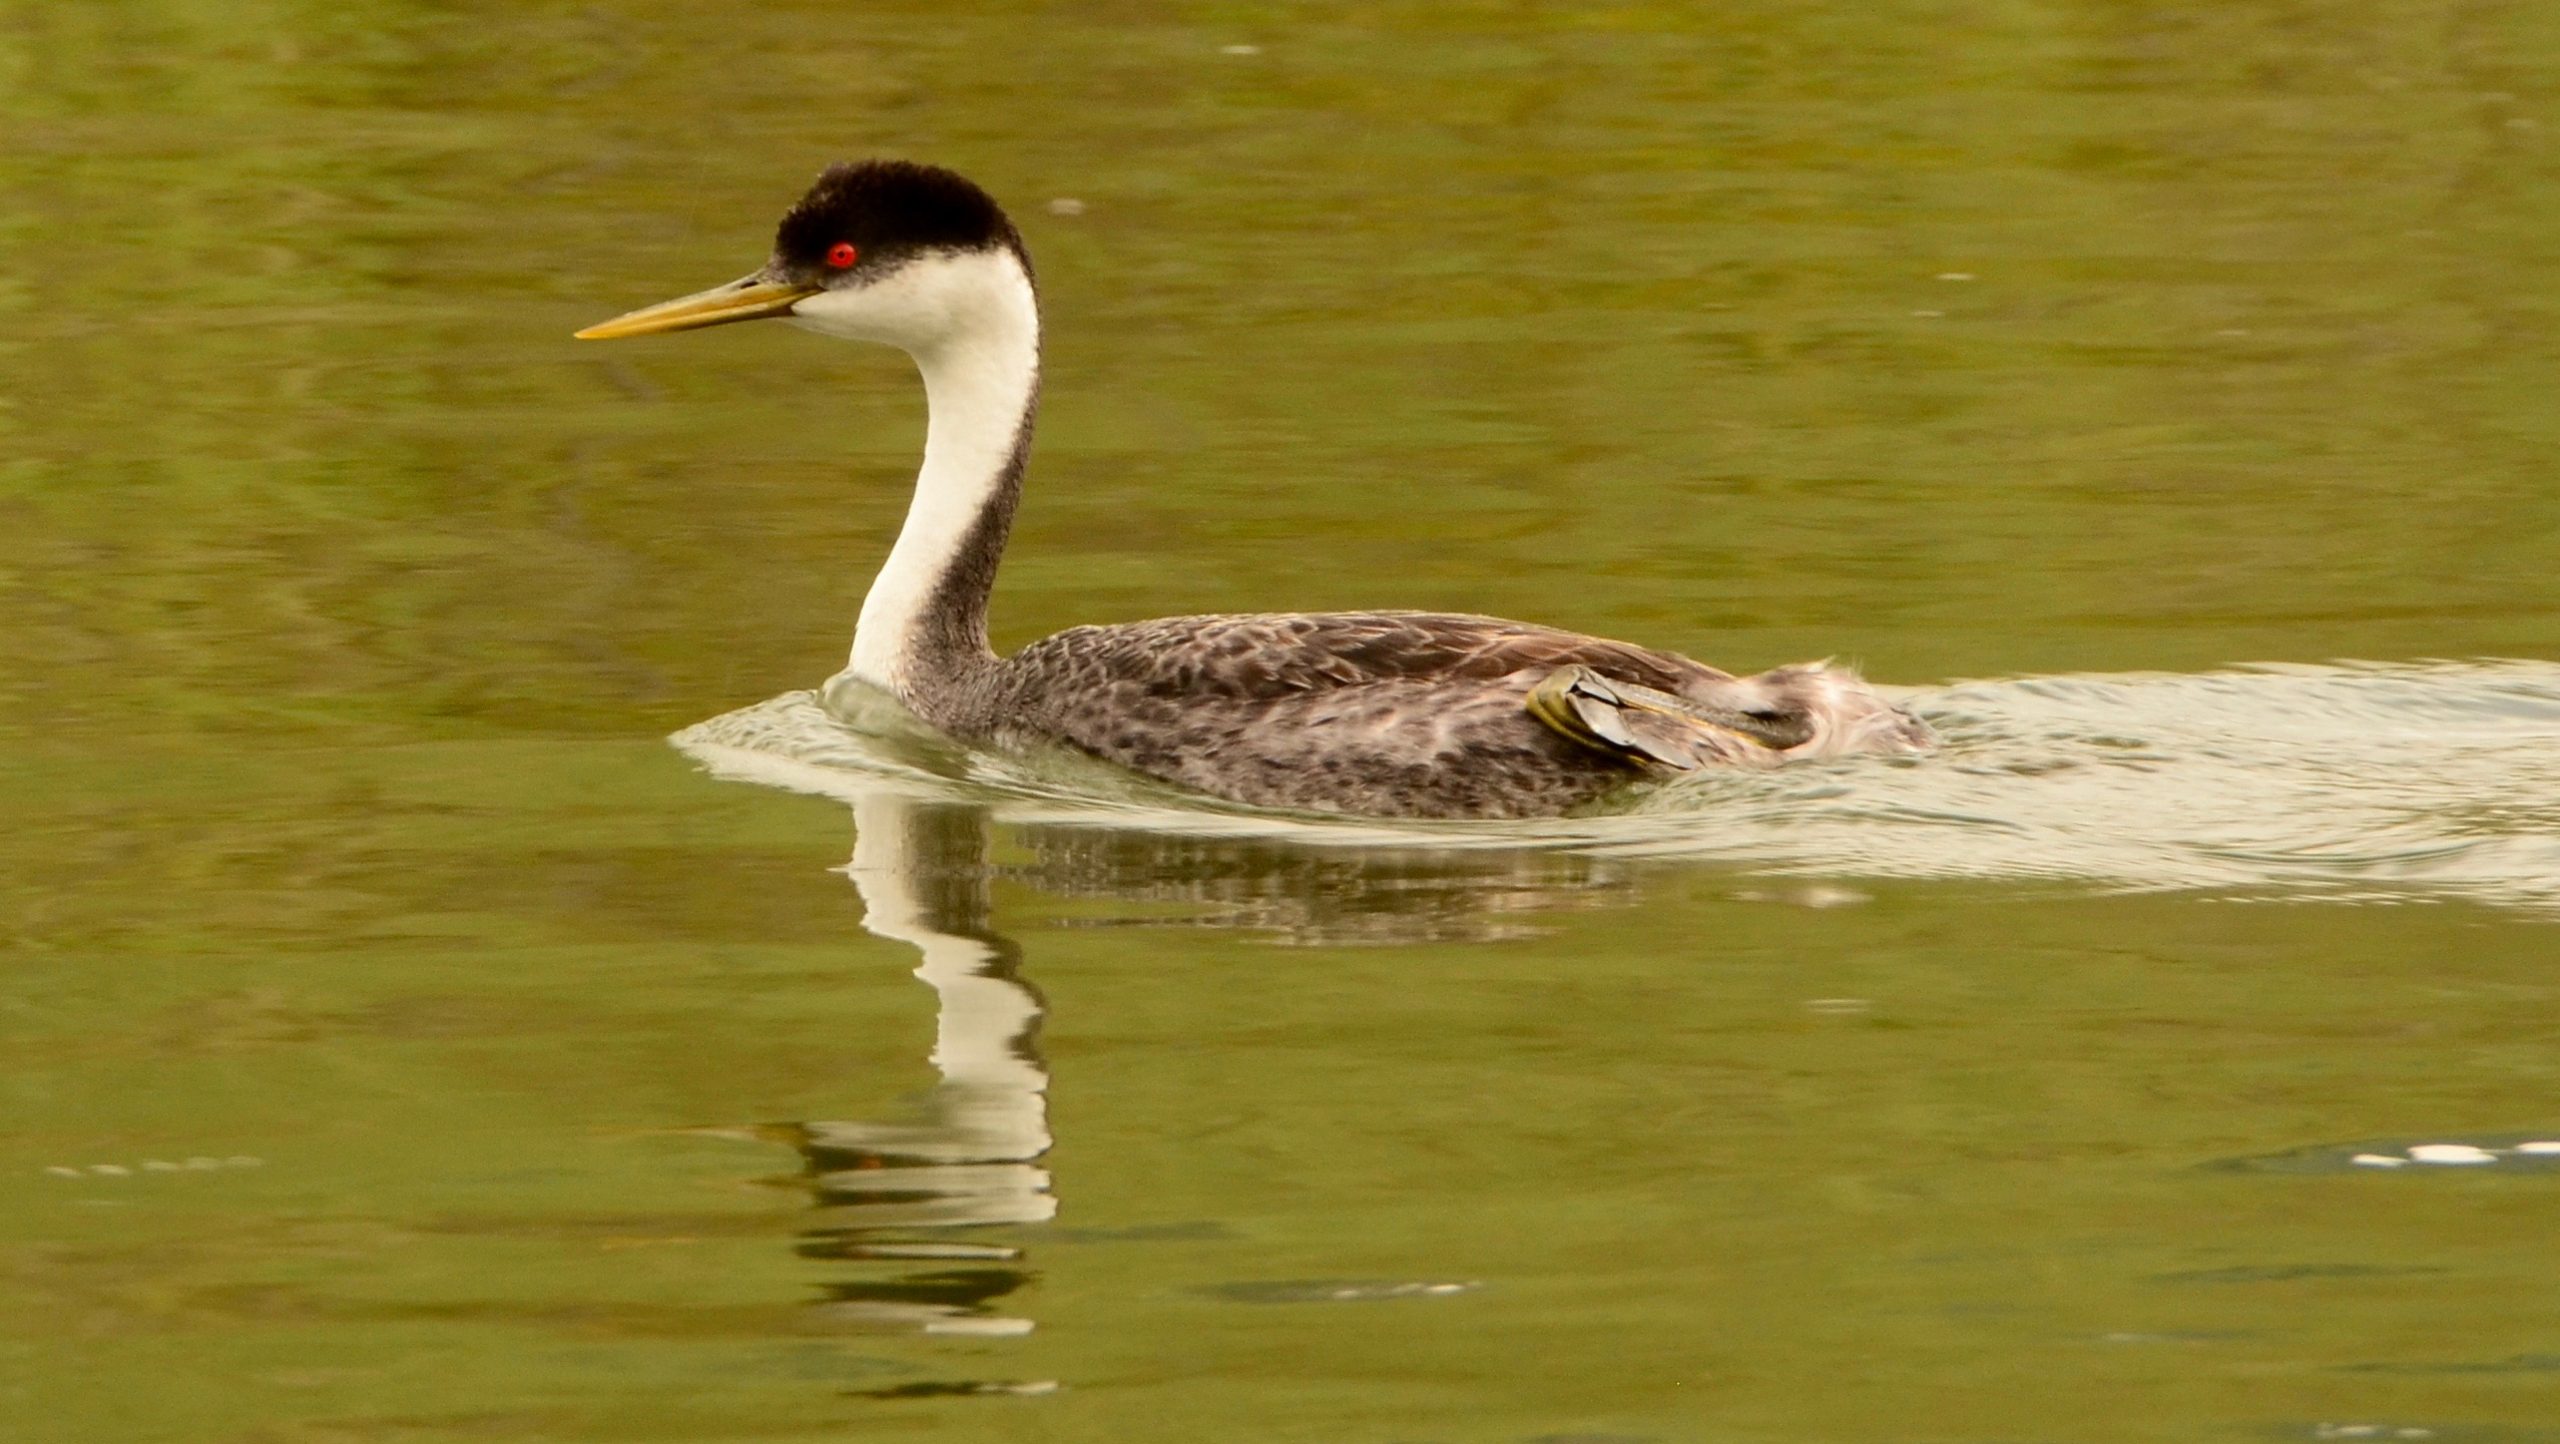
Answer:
(841, 254)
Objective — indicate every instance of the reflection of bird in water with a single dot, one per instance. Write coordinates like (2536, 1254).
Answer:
(1385, 713)
(1323, 896)
(970, 1159)
(913, 1202)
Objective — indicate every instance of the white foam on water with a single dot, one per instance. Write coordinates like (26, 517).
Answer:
(2354, 782)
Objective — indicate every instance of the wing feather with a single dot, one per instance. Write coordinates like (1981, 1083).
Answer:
(1256, 657)
(1425, 714)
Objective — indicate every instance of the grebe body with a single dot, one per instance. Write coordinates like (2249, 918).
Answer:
(1403, 714)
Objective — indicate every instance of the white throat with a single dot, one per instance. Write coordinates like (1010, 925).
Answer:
(972, 323)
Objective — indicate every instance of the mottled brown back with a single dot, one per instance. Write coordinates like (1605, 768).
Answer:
(1387, 713)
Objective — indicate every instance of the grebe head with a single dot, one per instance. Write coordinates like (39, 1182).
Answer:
(883, 250)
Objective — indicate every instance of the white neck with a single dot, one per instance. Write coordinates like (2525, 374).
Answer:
(972, 324)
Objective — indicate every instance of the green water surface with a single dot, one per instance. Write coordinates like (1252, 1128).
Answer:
(400, 1042)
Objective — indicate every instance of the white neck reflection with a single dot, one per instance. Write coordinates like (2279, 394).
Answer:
(968, 1159)
(921, 889)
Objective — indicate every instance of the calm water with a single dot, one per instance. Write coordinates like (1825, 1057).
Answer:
(401, 1041)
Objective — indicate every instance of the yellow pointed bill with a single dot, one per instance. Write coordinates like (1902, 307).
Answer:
(750, 299)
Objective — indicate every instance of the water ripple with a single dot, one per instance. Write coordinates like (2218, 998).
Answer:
(2360, 782)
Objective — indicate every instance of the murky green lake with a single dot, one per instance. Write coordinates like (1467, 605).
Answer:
(401, 1041)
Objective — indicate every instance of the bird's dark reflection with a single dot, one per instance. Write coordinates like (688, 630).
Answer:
(923, 1207)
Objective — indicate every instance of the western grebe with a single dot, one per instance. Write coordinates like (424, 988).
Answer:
(1408, 714)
